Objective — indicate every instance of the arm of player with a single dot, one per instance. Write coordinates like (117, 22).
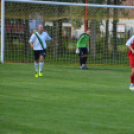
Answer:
(88, 48)
(50, 39)
(32, 38)
(54, 42)
(130, 47)
(129, 44)
(79, 40)
(31, 44)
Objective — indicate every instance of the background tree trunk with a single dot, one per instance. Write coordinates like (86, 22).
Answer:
(55, 37)
(107, 33)
(26, 38)
(60, 39)
(93, 37)
(115, 12)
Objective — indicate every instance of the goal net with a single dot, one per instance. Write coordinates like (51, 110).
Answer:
(111, 26)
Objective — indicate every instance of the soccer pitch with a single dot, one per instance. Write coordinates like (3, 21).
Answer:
(66, 100)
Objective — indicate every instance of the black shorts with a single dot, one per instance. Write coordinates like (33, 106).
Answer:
(37, 54)
(83, 51)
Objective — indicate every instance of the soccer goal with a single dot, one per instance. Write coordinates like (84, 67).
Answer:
(111, 26)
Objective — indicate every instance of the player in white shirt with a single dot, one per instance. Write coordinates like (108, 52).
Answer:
(38, 43)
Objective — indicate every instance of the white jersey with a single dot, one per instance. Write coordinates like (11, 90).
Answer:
(44, 37)
(130, 41)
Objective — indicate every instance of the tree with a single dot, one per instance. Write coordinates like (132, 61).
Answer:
(26, 37)
(106, 36)
(115, 21)
(93, 27)
(115, 12)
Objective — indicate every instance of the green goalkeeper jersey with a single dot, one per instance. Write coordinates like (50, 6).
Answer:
(83, 41)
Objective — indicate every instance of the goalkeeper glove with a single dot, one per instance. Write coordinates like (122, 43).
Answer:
(77, 51)
(88, 48)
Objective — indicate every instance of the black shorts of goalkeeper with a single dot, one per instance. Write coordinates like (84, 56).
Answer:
(83, 51)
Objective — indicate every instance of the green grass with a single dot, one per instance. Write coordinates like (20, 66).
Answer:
(66, 100)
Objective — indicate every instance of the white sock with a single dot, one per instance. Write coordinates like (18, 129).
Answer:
(41, 64)
(36, 66)
(83, 65)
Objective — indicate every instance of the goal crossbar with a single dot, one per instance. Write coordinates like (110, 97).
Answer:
(69, 4)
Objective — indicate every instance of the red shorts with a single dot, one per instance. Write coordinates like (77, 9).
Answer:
(131, 62)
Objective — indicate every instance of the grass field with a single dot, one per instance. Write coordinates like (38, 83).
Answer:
(66, 100)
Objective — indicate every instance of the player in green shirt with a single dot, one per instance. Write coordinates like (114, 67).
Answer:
(83, 47)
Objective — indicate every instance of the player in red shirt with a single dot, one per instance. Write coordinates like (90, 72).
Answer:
(130, 45)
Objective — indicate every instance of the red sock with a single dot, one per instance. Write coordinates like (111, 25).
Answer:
(132, 78)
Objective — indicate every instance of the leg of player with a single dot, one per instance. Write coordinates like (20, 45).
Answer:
(84, 60)
(131, 62)
(132, 80)
(36, 68)
(81, 57)
(80, 61)
(36, 62)
(86, 56)
(41, 64)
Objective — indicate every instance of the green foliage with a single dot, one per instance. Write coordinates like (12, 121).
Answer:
(76, 23)
(120, 41)
(69, 46)
(120, 45)
(100, 45)
(65, 44)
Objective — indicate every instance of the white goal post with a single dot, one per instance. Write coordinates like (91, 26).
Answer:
(47, 3)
